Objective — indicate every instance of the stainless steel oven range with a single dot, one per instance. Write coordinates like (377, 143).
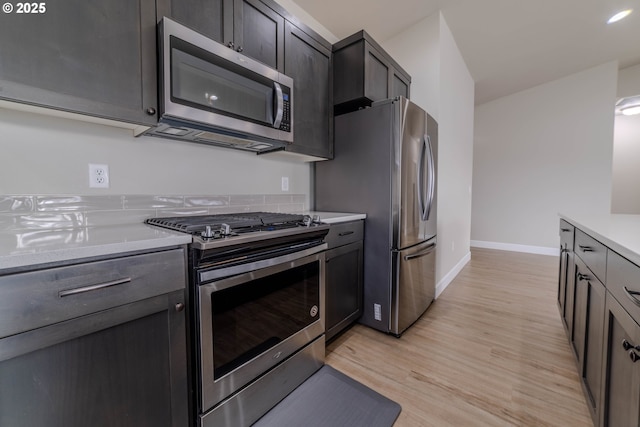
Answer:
(256, 309)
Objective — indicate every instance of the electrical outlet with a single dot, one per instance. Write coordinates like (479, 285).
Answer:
(285, 183)
(98, 176)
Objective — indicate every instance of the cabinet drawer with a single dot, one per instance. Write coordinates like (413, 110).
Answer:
(567, 232)
(35, 299)
(623, 281)
(344, 233)
(592, 252)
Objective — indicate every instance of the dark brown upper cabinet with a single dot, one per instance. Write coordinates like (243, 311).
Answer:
(308, 63)
(363, 73)
(247, 26)
(96, 58)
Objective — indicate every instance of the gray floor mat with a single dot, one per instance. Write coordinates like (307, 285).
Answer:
(330, 398)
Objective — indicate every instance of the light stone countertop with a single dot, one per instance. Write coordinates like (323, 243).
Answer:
(20, 249)
(618, 232)
(23, 248)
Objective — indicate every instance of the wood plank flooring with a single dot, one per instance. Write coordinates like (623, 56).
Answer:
(490, 351)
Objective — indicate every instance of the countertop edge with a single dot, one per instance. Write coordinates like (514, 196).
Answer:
(616, 231)
(120, 241)
(25, 248)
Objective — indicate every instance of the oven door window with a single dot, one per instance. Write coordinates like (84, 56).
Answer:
(255, 316)
(217, 85)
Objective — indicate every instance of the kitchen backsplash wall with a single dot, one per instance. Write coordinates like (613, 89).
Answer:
(22, 212)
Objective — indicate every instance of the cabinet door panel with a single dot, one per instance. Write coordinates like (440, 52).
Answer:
(621, 397)
(344, 287)
(399, 87)
(376, 76)
(592, 372)
(213, 18)
(570, 293)
(309, 64)
(259, 32)
(93, 57)
(120, 367)
(580, 311)
(588, 332)
(562, 281)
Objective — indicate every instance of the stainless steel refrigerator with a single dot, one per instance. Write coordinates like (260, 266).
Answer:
(385, 165)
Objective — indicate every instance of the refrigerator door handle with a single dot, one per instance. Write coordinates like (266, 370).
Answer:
(427, 251)
(432, 177)
(421, 171)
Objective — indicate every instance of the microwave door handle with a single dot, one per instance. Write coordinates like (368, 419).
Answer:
(279, 105)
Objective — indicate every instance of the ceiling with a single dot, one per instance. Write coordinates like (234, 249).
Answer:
(508, 45)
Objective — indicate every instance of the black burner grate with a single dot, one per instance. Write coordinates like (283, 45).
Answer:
(239, 222)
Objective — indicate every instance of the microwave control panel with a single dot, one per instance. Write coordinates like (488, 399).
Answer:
(285, 124)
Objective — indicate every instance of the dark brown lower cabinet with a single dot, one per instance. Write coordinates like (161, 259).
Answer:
(605, 333)
(344, 283)
(124, 366)
(621, 403)
(99, 343)
(566, 283)
(588, 333)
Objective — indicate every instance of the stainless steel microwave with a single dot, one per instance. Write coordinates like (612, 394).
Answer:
(214, 95)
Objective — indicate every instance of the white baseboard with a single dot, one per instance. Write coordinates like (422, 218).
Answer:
(540, 250)
(448, 278)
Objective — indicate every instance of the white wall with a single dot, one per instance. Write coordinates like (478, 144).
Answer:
(625, 193)
(539, 152)
(294, 9)
(417, 50)
(625, 197)
(48, 155)
(456, 151)
(629, 81)
(442, 85)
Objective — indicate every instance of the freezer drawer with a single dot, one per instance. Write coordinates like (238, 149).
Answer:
(414, 288)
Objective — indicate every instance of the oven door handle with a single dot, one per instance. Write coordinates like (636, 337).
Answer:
(209, 275)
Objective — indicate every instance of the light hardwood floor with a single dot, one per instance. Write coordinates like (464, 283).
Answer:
(490, 351)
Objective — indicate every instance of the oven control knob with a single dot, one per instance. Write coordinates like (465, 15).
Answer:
(307, 220)
(207, 233)
(314, 311)
(225, 229)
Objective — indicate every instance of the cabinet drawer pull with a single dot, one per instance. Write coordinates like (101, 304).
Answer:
(634, 356)
(583, 277)
(632, 295)
(345, 233)
(584, 248)
(565, 230)
(76, 291)
(628, 346)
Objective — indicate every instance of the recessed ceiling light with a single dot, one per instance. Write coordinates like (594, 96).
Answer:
(630, 111)
(620, 15)
(628, 106)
